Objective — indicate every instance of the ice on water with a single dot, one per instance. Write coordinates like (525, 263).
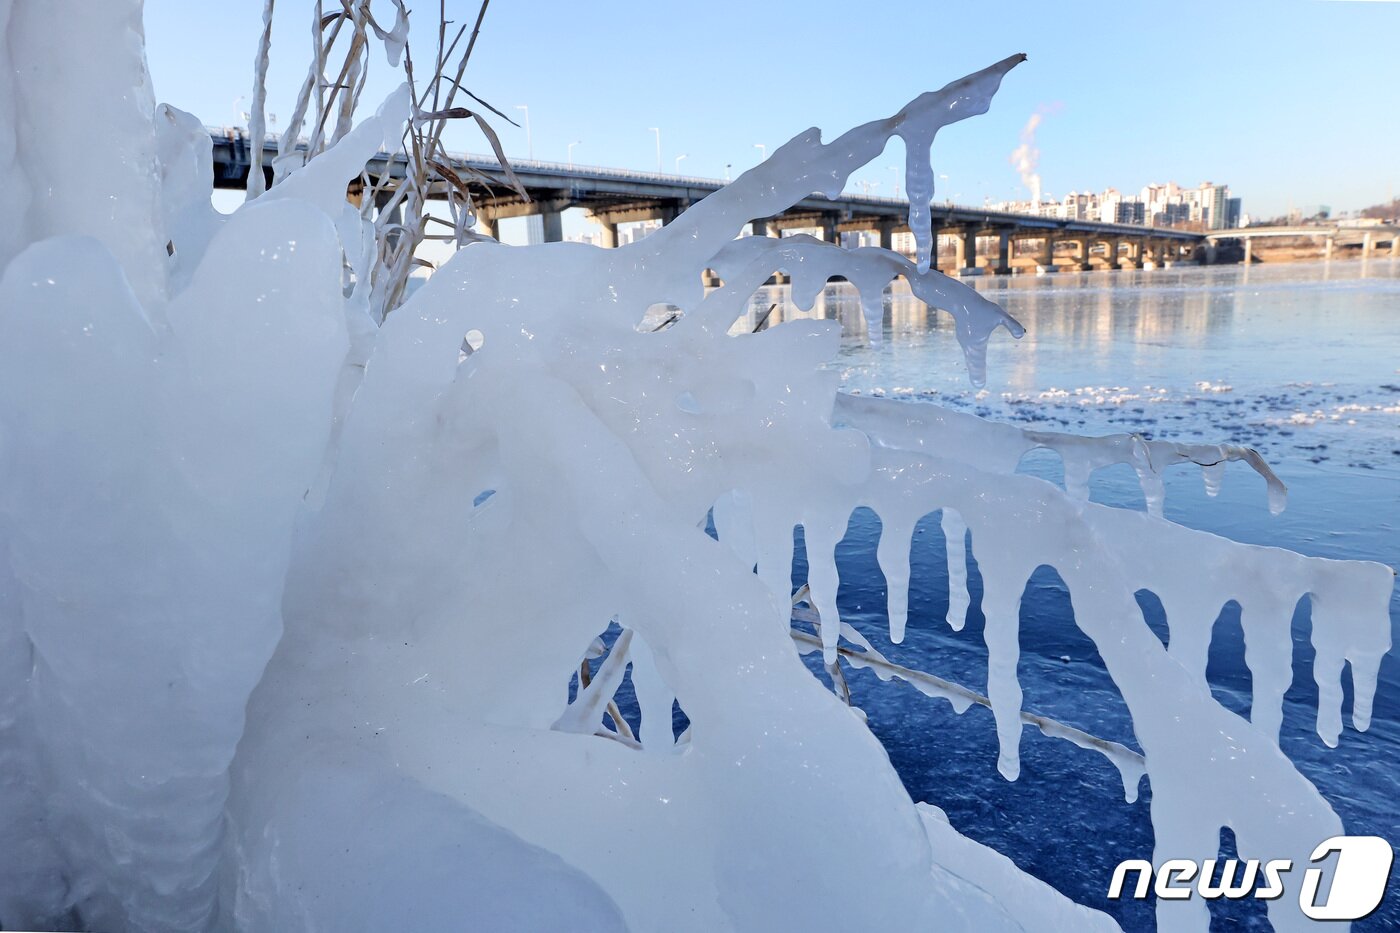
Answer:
(272, 660)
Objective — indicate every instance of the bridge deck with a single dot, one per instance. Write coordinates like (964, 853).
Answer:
(618, 196)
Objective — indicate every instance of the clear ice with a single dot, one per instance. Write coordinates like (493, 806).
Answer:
(274, 659)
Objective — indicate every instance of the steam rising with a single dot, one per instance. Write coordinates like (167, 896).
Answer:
(1026, 158)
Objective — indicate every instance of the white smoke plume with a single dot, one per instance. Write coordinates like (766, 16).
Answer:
(1026, 159)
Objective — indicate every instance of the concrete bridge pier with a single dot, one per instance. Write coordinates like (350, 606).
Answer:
(1394, 245)
(488, 225)
(1110, 253)
(886, 229)
(1211, 252)
(609, 234)
(1086, 247)
(831, 232)
(1122, 257)
(1132, 256)
(1045, 258)
(1248, 251)
(550, 209)
(1367, 244)
(965, 251)
(1003, 257)
(1328, 246)
(668, 212)
(1150, 254)
(553, 222)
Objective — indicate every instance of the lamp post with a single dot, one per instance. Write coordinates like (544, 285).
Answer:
(895, 169)
(571, 151)
(762, 151)
(529, 140)
(657, 131)
(727, 167)
(679, 159)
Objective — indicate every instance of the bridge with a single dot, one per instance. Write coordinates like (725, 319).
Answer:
(1368, 236)
(981, 240)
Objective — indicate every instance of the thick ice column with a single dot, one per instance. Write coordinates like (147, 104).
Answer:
(75, 167)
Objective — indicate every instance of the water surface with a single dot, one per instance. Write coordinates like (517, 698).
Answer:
(1301, 362)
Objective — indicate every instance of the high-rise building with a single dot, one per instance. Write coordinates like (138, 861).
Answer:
(1131, 211)
(1213, 205)
(1233, 214)
(1208, 206)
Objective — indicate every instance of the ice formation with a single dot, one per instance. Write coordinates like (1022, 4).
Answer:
(291, 599)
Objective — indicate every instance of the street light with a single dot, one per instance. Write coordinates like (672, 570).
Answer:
(727, 167)
(576, 142)
(529, 140)
(657, 131)
(762, 151)
(679, 158)
(895, 169)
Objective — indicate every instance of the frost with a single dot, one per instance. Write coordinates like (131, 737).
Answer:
(291, 600)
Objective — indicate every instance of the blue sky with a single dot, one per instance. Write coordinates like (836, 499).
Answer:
(1290, 102)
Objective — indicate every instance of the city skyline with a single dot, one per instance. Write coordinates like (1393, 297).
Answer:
(1207, 206)
(1281, 102)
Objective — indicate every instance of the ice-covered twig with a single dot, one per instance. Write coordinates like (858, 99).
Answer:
(257, 181)
(1131, 765)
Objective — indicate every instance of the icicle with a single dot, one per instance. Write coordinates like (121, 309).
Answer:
(893, 555)
(821, 536)
(961, 99)
(328, 641)
(1001, 603)
(1269, 658)
(955, 540)
(1213, 474)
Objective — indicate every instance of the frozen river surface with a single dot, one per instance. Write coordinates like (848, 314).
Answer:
(1301, 362)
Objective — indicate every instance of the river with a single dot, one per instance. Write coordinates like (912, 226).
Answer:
(1299, 361)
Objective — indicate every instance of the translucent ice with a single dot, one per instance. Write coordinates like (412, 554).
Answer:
(291, 600)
